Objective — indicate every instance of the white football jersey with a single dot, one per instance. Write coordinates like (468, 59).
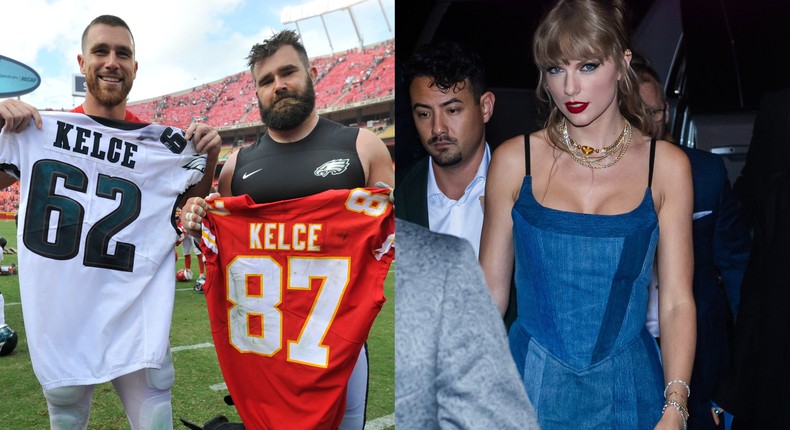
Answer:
(96, 237)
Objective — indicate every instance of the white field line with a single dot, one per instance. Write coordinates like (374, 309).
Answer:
(381, 423)
(218, 387)
(188, 347)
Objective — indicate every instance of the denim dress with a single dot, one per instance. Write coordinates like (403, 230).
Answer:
(580, 342)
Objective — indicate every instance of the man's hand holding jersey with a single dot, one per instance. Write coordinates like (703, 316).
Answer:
(206, 139)
(193, 212)
(15, 115)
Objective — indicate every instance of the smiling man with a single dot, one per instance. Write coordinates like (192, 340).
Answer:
(107, 317)
(107, 61)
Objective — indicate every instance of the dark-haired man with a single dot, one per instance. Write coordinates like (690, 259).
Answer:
(300, 155)
(450, 106)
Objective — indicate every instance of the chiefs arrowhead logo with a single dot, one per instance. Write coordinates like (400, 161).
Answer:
(334, 167)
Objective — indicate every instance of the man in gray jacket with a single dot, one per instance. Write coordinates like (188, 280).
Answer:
(453, 367)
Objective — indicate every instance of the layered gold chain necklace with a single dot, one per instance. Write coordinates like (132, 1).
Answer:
(593, 157)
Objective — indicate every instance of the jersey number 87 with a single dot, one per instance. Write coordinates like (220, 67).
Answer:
(255, 290)
(256, 322)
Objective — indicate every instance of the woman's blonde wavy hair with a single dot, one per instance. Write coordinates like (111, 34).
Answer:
(586, 30)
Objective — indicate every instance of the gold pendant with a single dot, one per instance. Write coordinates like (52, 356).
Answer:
(587, 150)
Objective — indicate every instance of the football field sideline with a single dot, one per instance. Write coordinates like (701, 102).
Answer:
(380, 423)
(196, 370)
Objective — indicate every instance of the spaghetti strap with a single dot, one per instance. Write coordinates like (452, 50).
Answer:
(652, 159)
(526, 155)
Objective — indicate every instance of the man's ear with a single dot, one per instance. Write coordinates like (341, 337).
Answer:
(81, 62)
(487, 105)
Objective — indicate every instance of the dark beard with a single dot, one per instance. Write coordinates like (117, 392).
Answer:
(447, 158)
(106, 98)
(295, 113)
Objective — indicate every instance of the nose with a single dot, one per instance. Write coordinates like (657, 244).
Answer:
(439, 126)
(112, 60)
(571, 85)
(279, 85)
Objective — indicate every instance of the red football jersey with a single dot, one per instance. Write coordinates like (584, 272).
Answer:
(293, 288)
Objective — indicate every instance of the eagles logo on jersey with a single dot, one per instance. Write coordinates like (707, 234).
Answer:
(333, 167)
(198, 163)
(8, 338)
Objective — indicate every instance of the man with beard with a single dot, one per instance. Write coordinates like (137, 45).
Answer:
(301, 154)
(122, 337)
(450, 106)
(108, 63)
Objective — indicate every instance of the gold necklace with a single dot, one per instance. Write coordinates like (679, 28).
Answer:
(582, 153)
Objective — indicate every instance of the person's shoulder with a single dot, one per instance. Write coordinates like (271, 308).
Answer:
(510, 150)
(332, 124)
(420, 242)
(416, 171)
(672, 167)
(701, 157)
(671, 152)
(511, 144)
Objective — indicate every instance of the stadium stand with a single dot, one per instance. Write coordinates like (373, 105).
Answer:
(345, 78)
(9, 198)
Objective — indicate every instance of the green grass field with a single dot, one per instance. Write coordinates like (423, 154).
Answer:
(196, 395)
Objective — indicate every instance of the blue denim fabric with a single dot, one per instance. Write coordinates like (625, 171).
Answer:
(580, 341)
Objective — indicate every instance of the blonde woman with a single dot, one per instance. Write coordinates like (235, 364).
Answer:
(578, 210)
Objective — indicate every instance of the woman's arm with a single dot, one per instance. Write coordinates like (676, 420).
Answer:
(675, 262)
(505, 174)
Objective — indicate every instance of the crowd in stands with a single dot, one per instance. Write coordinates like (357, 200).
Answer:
(9, 198)
(344, 78)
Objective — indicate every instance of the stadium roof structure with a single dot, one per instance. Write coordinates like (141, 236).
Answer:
(318, 8)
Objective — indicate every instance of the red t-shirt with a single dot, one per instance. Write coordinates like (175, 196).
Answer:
(129, 116)
(293, 288)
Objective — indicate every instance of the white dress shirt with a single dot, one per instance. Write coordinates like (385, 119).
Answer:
(652, 305)
(463, 217)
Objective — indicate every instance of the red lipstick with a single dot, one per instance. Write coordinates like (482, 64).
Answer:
(576, 107)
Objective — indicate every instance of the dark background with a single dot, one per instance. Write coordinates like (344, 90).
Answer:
(730, 53)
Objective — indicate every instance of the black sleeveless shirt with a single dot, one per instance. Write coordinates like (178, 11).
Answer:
(326, 159)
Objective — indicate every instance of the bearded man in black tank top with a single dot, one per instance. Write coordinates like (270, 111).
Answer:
(300, 154)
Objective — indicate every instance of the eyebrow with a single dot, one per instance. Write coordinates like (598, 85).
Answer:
(103, 45)
(280, 70)
(442, 104)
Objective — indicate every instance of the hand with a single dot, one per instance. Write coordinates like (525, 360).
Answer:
(206, 139)
(717, 413)
(193, 212)
(392, 190)
(15, 115)
(671, 420)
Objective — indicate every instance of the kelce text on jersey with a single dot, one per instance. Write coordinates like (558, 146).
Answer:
(278, 236)
(111, 149)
